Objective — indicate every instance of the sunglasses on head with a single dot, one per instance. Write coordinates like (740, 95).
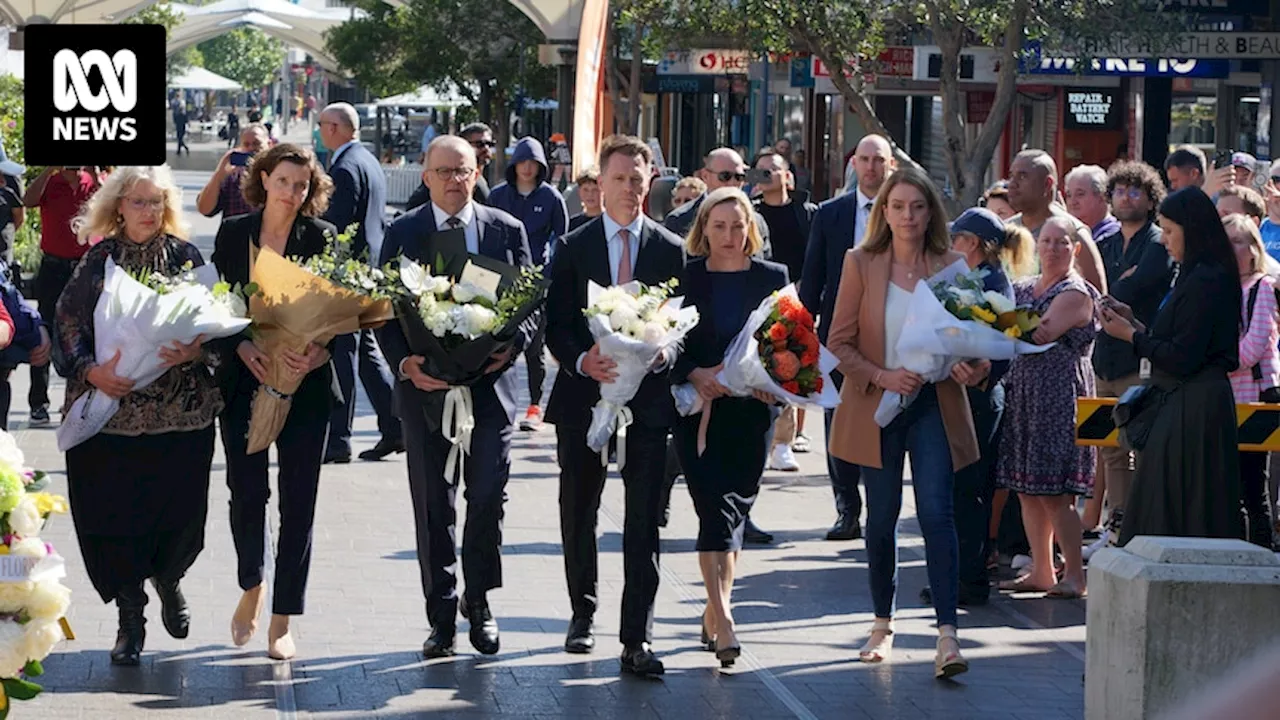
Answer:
(727, 175)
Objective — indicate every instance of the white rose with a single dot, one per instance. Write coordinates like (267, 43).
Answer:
(13, 650)
(998, 302)
(39, 639)
(14, 595)
(25, 519)
(476, 320)
(49, 600)
(10, 453)
(653, 333)
(29, 547)
(622, 317)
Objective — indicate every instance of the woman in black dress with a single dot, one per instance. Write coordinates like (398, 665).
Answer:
(290, 190)
(726, 285)
(139, 488)
(1188, 478)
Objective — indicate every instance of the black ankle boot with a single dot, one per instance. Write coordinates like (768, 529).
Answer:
(174, 612)
(133, 631)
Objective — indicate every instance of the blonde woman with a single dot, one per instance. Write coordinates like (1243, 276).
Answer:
(723, 448)
(686, 191)
(139, 488)
(907, 239)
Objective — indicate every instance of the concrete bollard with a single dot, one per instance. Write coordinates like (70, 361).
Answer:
(1168, 616)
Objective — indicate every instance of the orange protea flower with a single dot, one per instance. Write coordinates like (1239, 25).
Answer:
(792, 387)
(778, 332)
(785, 365)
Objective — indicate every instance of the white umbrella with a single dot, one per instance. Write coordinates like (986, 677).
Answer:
(293, 24)
(65, 12)
(198, 78)
(428, 97)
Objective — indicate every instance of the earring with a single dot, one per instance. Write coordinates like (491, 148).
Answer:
(119, 219)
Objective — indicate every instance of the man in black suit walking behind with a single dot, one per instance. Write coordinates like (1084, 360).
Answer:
(451, 173)
(359, 196)
(619, 246)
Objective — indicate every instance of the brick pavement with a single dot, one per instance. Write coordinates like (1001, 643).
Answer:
(802, 606)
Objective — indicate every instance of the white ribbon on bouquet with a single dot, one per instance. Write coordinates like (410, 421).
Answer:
(456, 424)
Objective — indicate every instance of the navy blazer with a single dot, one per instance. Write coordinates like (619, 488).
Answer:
(829, 238)
(704, 347)
(580, 256)
(359, 196)
(503, 238)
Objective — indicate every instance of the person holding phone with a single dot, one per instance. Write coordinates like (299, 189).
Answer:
(223, 193)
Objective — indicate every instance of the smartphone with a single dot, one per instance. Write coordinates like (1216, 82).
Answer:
(240, 159)
(759, 176)
(1222, 158)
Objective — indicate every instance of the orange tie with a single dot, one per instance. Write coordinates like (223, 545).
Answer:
(624, 262)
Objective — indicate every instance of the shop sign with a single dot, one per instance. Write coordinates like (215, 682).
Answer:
(1132, 67)
(1092, 109)
(691, 84)
(801, 73)
(705, 62)
(891, 62)
(1199, 45)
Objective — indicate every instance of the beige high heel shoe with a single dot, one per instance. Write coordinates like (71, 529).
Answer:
(880, 645)
(244, 621)
(949, 661)
(279, 640)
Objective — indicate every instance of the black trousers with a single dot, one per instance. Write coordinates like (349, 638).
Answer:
(435, 513)
(536, 363)
(844, 475)
(1257, 506)
(974, 487)
(360, 350)
(50, 280)
(299, 452)
(582, 477)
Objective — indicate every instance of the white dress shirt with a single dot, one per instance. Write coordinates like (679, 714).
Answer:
(467, 216)
(614, 243)
(864, 214)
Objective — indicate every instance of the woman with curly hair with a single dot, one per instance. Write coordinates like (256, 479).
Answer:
(290, 190)
(139, 488)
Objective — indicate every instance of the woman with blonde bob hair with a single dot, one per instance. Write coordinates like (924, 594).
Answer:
(907, 241)
(723, 447)
(139, 488)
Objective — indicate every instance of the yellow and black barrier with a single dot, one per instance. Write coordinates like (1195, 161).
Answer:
(1258, 424)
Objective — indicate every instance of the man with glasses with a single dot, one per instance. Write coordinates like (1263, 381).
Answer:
(451, 171)
(1138, 275)
(1271, 226)
(222, 194)
(723, 167)
(360, 197)
(480, 137)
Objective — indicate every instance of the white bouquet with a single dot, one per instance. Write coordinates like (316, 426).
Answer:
(139, 316)
(632, 323)
(777, 352)
(947, 322)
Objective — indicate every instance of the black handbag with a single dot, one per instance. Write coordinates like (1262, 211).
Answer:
(1135, 414)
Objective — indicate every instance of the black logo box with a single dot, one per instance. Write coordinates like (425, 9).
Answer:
(106, 136)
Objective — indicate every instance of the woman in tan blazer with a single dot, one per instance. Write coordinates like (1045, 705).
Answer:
(906, 241)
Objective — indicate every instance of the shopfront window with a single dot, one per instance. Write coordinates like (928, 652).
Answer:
(1247, 122)
(1192, 120)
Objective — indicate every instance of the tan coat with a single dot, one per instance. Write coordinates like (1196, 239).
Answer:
(857, 338)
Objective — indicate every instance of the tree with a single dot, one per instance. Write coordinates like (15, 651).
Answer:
(164, 14)
(487, 51)
(246, 55)
(847, 35)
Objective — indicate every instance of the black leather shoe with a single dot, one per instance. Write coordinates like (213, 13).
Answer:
(484, 629)
(581, 638)
(337, 458)
(133, 627)
(639, 660)
(846, 528)
(174, 612)
(754, 535)
(440, 642)
(384, 448)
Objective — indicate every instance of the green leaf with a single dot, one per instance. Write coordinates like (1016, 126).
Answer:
(20, 689)
(33, 668)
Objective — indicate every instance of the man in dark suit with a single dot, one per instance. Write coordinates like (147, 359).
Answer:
(620, 246)
(723, 167)
(451, 172)
(838, 226)
(480, 136)
(359, 196)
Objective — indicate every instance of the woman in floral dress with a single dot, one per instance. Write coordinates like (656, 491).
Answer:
(1039, 459)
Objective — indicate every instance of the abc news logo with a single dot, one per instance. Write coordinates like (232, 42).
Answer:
(95, 95)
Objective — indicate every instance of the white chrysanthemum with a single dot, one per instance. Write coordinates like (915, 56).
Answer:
(654, 333)
(25, 519)
(634, 329)
(14, 596)
(10, 453)
(13, 650)
(622, 318)
(48, 600)
(39, 639)
(999, 302)
(29, 547)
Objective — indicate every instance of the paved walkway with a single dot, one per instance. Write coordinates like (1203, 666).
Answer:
(802, 606)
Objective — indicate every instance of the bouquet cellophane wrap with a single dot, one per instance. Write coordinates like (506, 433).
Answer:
(933, 341)
(292, 309)
(743, 372)
(137, 321)
(634, 360)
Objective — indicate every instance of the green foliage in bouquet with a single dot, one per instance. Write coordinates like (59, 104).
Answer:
(523, 291)
(338, 264)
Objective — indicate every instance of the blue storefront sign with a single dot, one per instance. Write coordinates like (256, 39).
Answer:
(801, 72)
(1131, 67)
